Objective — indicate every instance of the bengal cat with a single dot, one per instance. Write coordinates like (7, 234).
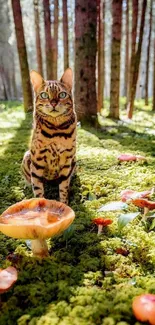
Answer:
(53, 144)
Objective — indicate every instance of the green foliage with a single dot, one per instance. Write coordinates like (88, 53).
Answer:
(84, 281)
(124, 219)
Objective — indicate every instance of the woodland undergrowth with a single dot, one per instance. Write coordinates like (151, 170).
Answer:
(85, 281)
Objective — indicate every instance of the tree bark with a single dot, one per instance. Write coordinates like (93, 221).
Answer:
(136, 60)
(14, 86)
(133, 46)
(55, 47)
(48, 41)
(65, 35)
(85, 59)
(115, 58)
(101, 59)
(148, 55)
(153, 107)
(38, 42)
(127, 51)
(27, 94)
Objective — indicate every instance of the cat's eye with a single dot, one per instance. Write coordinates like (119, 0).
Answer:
(44, 95)
(62, 95)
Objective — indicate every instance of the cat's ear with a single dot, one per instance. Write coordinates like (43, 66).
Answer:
(36, 80)
(67, 78)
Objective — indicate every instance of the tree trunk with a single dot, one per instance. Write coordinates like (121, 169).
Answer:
(27, 94)
(65, 35)
(6, 90)
(148, 55)
(127, 51)
(101, 76)
(55, 47)
(38, 42)
(48, 41)
(115, 58)
(85, 59)
(137, 58)
(133, 46)
(153, 107)
(14, 86)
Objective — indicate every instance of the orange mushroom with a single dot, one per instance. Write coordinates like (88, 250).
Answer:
(144, 203)
(8, 277)
(36, 219)
(101, 222)
(144, 308)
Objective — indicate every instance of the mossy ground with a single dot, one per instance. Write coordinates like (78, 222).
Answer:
(84, 281)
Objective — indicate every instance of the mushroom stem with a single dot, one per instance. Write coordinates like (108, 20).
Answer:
(146, 210)
(100, 227)
(39, 248)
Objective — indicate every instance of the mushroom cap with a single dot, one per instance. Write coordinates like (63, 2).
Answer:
(8, 277)
(141, 203)
(102, 221)
(130, 194)
(127, 157)
(36, 218)
(144, 308)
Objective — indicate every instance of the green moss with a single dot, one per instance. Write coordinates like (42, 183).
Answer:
(84, 281)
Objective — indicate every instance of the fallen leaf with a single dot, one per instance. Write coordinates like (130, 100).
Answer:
(113, 206)
(122, 251)
(124, 219)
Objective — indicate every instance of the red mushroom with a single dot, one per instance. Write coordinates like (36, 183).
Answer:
(8, 277)
(144, 203)
(101, 222)
(144, 308)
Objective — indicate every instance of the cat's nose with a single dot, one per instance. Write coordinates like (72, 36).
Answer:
(53, 102)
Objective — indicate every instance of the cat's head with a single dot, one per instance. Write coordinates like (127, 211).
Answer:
(53, 98)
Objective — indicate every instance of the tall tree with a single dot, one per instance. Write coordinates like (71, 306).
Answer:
(27, 94)
(127, 51)
(153, 107)
(136, 60)
(65, 35)
(101, 13)
(85, 59)
(55, 43)
(14, 86)
(48, 40)
(115, 58)
(148, 55)
(7, 68)
(38, 42)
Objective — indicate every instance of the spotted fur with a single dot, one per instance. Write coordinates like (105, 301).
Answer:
(53, 145)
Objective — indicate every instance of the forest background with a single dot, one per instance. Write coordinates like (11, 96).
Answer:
(109, 45)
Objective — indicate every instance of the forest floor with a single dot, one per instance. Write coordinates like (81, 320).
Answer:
(85, 281)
